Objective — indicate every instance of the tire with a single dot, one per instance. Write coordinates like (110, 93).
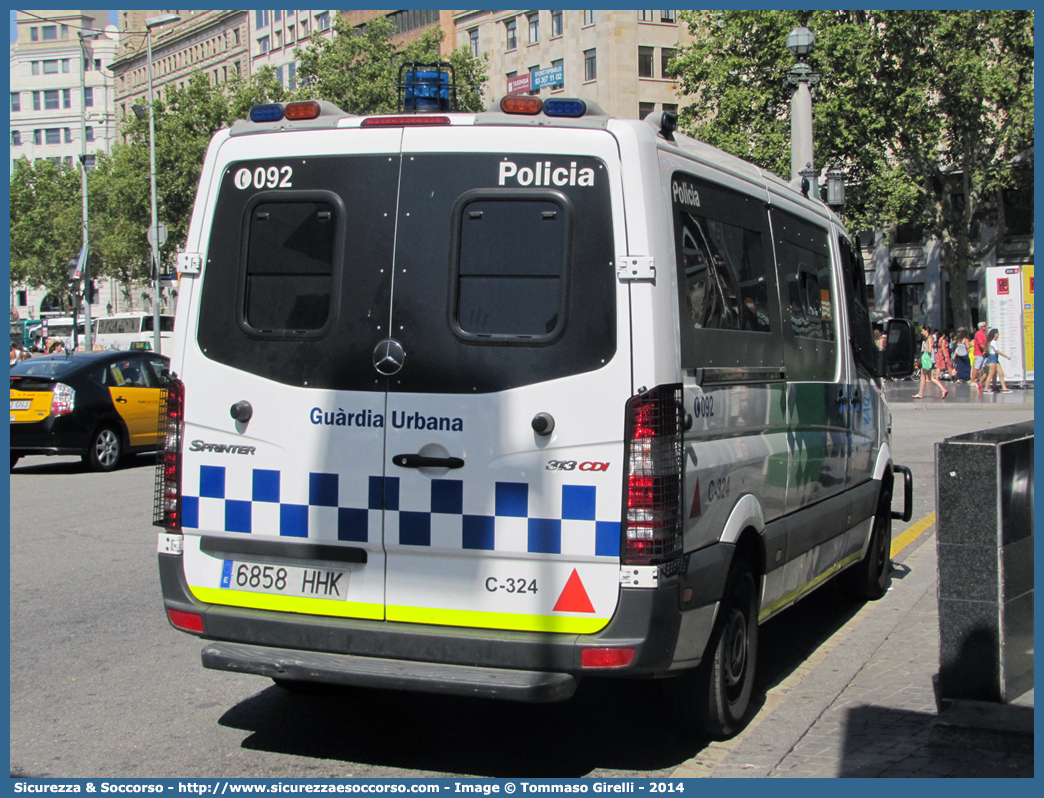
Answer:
(869, 578)
(105, 449)
(714, 697)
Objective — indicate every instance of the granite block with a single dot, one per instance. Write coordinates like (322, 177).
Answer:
(969, 650)
(1017, 628)
(968, 572)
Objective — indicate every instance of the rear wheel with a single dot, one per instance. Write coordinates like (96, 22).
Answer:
(105, 449)
(714, 697)
(868, 579)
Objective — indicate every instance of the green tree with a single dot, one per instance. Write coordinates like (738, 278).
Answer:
(929, 112)
(46, 223)
(359, 71)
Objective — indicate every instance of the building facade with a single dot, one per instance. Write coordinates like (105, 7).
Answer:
(214, 42)
(615, 58)
(275, 34)
(46, 101)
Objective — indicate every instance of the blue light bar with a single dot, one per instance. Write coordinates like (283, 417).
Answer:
(571, 108)
(271, 112)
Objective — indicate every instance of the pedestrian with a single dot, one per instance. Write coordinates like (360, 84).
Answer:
(993, 357)
(978, 352)
(928, 363)
(961, 356)
(943, 363)
(15, 354)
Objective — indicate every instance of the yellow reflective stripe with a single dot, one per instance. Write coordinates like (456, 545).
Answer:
(497, 620)
(308, 606)
(795, 594)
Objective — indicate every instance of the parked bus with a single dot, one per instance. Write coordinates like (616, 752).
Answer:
(123, 329)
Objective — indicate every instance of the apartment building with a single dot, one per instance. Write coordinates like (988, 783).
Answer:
(616, 58)
(215, 42)
(46, 102)
(275, 34)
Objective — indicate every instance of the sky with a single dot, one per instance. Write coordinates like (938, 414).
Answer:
(14, 28)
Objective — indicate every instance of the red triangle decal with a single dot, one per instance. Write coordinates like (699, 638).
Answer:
(574, 598)
(696, 509)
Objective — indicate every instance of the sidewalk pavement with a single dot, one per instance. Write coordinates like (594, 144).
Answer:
(902, 392)
(864, 705)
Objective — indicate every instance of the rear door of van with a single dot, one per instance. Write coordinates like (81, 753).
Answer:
(396, 316)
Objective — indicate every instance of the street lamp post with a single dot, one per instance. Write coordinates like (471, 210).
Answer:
(150, 23)
(801, 77)
(86, 276)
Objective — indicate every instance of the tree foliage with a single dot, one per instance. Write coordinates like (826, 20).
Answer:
(358, 72)
(930, 113)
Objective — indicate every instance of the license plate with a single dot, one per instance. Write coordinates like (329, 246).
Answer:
(20, 404)
(285, 580)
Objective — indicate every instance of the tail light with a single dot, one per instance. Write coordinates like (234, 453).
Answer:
(653, 523)
(167, 504)
(63, 399)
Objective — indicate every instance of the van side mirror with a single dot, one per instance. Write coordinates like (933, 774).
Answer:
(896, 360)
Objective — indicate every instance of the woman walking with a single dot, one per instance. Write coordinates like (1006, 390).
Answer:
(993, 365)
(928, 363)
(962, 356)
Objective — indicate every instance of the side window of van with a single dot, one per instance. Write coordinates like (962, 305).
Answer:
(863, 348)
(107, 326)
(803, 252)
(728, 303)
(512, 266)
(288, 277)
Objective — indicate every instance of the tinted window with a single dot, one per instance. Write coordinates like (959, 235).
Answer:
(166, 324)
(511, 268)
(289, 265)
(803, 252)
(728, 303)
(44, 367)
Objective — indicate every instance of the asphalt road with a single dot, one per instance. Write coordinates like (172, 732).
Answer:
(102, 686)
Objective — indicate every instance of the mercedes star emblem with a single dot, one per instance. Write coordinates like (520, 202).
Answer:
(388, 357)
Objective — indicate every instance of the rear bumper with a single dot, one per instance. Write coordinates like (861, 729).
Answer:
(52, 435)
(346, 669)
(522, 666)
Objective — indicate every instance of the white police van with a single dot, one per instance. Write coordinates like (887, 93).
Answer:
(483, 404)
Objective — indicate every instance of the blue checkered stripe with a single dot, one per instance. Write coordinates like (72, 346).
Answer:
(331, 512)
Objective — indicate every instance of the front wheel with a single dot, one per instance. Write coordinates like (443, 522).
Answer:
(714, 697)
(105, 449)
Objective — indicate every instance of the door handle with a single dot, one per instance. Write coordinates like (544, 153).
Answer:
(121, 400)
(420, 461)
(841, 398)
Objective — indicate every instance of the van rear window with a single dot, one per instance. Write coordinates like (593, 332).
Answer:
(511, 268)
(289, 266)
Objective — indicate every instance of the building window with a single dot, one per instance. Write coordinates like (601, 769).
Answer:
(66, 98)
(264, 44)
(533, 88)
(261, 18)
(68, 136)
(289, 34)
(51, 100)
(558, 64)
(668, 16)
(50, 33)
(323, 21)
(292, 76)
(16, 101)
(37, 137)
(590, 65)
(235, 37)
(50, 67)
(88, 97)
(646, 16)
(53, 135)
(279, 75)
(644, 109)
(671, 108)
(509, 28)
(278, 15)
(36, 68)
(666, 54)
(534, 28)
(473, 41)
(556, 23)
(645, 62)
(36, 101)
(65, 65)
(589, 17)
(89, 133)
(304, 28)
(16, 138)
(34, 34)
